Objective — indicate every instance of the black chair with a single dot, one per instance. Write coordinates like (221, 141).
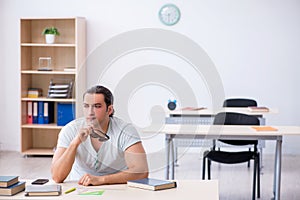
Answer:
(228, 118)
(239, 102)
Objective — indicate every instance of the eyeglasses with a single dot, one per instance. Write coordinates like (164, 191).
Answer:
(96, 133)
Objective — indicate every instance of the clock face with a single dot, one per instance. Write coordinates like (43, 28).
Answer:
(169, 14)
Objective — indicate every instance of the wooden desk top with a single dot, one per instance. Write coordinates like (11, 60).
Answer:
(219, 130)
(207, 111)
(186, 189)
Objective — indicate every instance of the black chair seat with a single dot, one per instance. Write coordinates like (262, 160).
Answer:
(230, 157)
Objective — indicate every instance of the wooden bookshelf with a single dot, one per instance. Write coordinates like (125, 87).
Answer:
(67, 54)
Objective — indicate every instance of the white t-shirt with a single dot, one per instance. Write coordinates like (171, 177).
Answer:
(110, 157)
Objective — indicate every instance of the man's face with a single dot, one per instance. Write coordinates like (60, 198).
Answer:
(95, 109)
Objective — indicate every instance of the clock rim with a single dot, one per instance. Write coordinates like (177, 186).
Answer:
(177, 10)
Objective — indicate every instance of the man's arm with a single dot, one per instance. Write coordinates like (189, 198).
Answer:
(64, 158)
(136, 161)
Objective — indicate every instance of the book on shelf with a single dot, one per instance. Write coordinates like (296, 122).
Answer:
(43, 190)
(152, 184)
(6, 181)
(13, 189)
(258, 109)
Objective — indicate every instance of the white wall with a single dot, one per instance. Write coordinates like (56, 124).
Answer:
(253, 44)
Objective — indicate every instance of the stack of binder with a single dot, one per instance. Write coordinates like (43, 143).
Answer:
(40, 112)
(60, 89)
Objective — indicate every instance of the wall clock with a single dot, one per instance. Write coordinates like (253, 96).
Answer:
(169, 14)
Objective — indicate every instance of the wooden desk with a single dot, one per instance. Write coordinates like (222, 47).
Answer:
(206, 117)
(189, 131)
(187, 189)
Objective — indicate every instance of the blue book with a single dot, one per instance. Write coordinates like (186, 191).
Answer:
(13, 189)
(152, 184)
(6, 181)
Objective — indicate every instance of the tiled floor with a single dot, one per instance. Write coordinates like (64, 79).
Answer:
(235, 181)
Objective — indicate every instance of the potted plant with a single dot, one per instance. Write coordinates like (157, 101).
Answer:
(50, 33)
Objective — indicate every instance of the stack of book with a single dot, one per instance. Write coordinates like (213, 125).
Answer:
(10, 185)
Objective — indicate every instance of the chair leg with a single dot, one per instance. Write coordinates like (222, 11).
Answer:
(249, 161)
(254, 178)
(203, 167)
(208, 168)
(258, 175)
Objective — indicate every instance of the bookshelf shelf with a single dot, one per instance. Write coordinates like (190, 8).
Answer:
(47, 72)
(42, 126)
(46, 45)
(67, 55)
(49, 99)
(39, 151)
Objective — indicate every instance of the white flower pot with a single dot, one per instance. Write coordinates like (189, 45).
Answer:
(50, 38)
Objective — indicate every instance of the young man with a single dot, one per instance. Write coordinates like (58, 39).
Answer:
(83, 156)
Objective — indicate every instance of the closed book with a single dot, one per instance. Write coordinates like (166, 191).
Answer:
(13, 189)
(152, 184)
(6, 181)
(258, 109)
(43, 190)
(264, 128)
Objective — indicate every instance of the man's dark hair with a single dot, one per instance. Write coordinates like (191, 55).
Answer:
(108, 96)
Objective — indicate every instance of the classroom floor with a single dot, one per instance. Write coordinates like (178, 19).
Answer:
(235, 181)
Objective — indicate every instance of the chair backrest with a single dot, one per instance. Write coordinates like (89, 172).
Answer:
(230, 118)
(239, 102)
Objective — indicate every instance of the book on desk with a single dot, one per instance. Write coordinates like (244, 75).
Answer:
(152, 184)
(258, 109)
(10, 185)
(43, 190)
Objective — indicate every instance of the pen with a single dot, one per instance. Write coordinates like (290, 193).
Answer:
(70, 190)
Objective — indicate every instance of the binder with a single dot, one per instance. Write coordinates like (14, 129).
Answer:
(35, 113)
(48, 114)
(29, 112)
(40, 112)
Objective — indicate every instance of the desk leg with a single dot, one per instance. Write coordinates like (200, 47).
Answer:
(167, 143)
(172, 159)
(277, 170)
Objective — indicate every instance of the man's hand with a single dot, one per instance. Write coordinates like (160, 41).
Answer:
(89, 179)
(82, 135)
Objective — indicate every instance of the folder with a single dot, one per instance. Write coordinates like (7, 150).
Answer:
(29, 112)
(48, 112)
(40, 112)
(35, 113)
